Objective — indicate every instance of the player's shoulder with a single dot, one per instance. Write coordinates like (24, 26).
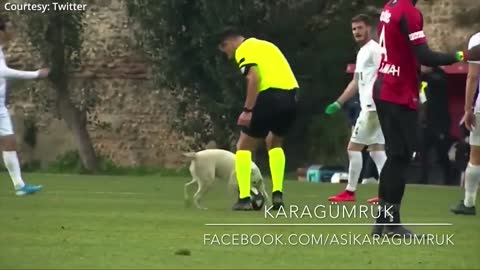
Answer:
(371, 47)
(373, 44)
(474, 40)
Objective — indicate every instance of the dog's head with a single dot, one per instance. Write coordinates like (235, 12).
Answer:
(256, 177)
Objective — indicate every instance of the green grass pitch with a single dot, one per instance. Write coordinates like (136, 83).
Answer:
(140, 222)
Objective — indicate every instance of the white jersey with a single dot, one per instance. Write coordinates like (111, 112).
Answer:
(368, 62)
(474, 41)
(8, 73)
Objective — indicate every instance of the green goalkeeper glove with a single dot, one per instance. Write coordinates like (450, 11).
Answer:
(333, 108)
(461, 56)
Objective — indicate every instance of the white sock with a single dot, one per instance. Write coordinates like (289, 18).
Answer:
(472, 177)
(354, 169)
(379, 157)
(13, 166)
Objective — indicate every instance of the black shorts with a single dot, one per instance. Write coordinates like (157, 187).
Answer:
(275, 111)
(399, 125)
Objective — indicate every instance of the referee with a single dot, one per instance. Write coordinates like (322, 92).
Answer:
(269, 109)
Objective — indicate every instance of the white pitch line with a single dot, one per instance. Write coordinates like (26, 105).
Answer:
(318, 224)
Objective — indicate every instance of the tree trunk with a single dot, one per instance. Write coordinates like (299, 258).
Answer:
(76, 121)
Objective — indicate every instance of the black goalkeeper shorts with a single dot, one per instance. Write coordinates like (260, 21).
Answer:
(399, 125)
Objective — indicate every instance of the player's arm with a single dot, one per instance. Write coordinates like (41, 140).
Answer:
(430, 58)
(412, 26)
(252, 88)
(10, 73)
(472, 86)
(348, 93)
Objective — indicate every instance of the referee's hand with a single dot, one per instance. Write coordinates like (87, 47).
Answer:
(244, 119)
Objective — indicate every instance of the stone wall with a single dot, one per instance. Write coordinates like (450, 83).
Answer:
(441, 27)
(131, 112)
(129, 121)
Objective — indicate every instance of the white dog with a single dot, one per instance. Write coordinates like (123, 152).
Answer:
(210, 165)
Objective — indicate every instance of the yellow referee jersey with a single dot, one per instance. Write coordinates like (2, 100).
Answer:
(273, 68)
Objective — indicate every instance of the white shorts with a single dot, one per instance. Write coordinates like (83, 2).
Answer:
(6, 127)
(367, 130)
(475, 134)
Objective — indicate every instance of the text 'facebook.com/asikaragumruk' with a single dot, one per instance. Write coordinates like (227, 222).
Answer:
(344, 239)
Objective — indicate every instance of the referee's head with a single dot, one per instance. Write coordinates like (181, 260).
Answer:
(228, 41)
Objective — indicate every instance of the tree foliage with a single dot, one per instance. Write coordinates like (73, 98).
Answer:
(47, 31)
(177, 35)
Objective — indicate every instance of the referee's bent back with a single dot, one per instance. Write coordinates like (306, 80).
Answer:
(273, 68)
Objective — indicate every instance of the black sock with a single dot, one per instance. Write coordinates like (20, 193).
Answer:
(393, 179)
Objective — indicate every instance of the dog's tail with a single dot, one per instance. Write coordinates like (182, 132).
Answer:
(190, 155)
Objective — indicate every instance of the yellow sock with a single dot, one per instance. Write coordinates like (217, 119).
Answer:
(277, 168)
(243, 171)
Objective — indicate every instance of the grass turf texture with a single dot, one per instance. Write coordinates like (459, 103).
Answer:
(141, 222)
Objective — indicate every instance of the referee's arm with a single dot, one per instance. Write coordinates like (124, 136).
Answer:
(252, 87)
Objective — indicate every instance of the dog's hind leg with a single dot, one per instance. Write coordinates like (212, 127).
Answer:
(202, 190)
(188, 202)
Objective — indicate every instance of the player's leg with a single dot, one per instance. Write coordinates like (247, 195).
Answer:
(365, 133)
(393, 121)
(400, 138)
(472, 175)
(354, 169)
(379, 157)
(282, 120)
(377, 148)
(8, 145)
(369, 173)
(355, 147)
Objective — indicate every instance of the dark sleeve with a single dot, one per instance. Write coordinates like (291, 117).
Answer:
(430, 58)
(411, 24)
(474, 54)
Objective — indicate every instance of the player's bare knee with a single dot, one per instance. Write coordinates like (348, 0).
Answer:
(246, 142)
(355, 147)
(8, 143)
(376, 147)
(273, 141)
